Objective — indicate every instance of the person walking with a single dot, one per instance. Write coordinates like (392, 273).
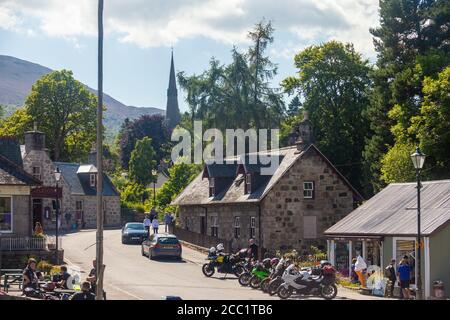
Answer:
(155, 225)
(167, 222)
(152, 214)
(360, 267)
(404, 277)
(68, 217)
(147, 222)
(391, 275)
(253, 249)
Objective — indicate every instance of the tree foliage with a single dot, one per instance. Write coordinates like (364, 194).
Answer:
(16, 124)
(142, 162)
(332, 82)
(65, 111)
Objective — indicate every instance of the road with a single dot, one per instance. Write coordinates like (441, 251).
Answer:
(129, 275)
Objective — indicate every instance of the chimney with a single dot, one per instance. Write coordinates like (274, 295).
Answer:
(305, 133)
(34, 140)
(10, 149)
(92, 157)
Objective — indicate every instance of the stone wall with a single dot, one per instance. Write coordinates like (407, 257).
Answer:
(18, 259)
(284, 208)
(21, 217)
(111, 207)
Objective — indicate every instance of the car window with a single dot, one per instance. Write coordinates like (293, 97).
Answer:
(167, 240)
(135, 226)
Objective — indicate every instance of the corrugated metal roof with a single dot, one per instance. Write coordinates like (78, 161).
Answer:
(393, 211)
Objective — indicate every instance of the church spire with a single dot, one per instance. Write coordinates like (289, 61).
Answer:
(173, 116)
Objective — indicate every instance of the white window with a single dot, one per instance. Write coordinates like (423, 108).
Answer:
(92, 180)
(248, 183)
(309, 227)
(253, 227)
(55, 208)
(79, 209)
(237, 227)
(211, 187)
(214, 227)
(308, 190)
(37, 173)
(6, 214)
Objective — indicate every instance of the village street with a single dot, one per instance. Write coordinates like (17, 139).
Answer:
(128, 275)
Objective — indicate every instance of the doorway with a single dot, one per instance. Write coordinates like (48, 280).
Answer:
(37, 212)
(203, 225)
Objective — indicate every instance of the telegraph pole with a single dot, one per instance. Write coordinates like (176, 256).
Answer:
(99, 242)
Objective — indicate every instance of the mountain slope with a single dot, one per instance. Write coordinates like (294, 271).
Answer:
(17, 76)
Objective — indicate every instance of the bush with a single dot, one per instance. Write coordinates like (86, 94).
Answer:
(44, 266)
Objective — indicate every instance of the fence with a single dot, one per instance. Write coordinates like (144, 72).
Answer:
(29, 243)
(201, 240)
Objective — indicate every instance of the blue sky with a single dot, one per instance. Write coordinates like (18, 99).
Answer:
(139, 34)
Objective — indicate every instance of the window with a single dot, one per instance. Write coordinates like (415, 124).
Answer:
(54, 208)
(308, 190)
(252, 227)
(79, 209)
(237, 227)
(214, 227)
(211, 187)
(309, 227)
(6, 214)
(248, 183)
(92, 180)
(37, 172)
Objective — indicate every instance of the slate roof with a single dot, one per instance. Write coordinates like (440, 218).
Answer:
(225, 170)
(79, 182)
(393, 211)
(197, 192)
(13, 174)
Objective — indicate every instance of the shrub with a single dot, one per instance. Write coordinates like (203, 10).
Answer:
(44, 266)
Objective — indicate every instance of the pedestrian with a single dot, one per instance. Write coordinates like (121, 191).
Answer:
(155, 225)
(85, 293)
(68, 217)
(391, 275)
(404, 276)
(167, 222)
(152, 214)
(38, 230)
(252, 249)
(360, 269)
(353, 274)
(147, 224)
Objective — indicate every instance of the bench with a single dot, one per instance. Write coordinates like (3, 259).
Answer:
(10, 278)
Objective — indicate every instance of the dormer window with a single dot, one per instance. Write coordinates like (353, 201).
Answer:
(212, 189)
(248, 183)
(92, 180)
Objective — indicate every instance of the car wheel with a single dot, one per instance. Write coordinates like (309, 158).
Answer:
(123, 241)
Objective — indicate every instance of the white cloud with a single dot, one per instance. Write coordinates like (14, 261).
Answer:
(164, 22)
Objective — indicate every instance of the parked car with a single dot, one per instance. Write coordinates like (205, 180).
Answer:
(161, 245)
(134, 232)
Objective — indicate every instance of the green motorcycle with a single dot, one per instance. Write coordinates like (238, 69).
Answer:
(260, 272)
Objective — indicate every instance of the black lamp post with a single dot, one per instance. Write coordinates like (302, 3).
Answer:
(57, 178)
(418, 159)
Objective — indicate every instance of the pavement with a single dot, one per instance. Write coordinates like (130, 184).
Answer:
(130, 276)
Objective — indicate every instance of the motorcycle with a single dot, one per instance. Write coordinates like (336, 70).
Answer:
(318, 281)
(228, 264)
(273, 282)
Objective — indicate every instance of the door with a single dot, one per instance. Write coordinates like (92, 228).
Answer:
(37, 212)
(203, 225)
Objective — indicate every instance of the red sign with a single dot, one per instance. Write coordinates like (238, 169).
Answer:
(46, 192)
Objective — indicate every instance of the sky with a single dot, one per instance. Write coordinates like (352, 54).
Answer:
(139, 35)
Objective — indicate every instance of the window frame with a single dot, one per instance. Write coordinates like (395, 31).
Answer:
(252, 227)
(37, 175)
(237, 227)
(248, 183)
(93, 182)
(10, 213)
(212, 187)
(307, 190)
(215, 226)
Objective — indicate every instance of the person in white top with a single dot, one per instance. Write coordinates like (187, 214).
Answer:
(360, 267)
(147, 224)
(155, 225)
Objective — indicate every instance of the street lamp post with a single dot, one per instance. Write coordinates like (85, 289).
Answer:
(57, 178)
(418, 159)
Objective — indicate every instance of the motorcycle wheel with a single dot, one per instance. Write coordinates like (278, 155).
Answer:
(329, 292)
(207, 270)
(273, 287)
(238, 270)
(265, 285)
(284, 293)
(255, 282)
(244, 279)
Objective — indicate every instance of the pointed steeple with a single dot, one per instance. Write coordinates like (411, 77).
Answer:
(173, 116)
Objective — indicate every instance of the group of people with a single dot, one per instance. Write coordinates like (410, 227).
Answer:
(151, 221)
(31, 278)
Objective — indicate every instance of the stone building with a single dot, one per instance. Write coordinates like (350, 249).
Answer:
(78, 188)
(289, 209)
(15, 190)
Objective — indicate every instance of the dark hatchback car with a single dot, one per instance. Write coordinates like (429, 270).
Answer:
(134, 232)
(161, 245)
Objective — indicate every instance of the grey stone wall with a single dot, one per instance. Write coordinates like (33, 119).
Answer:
(21, 217)
(284, 208)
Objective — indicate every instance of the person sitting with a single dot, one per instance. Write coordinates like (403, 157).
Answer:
(62, 279)
(30, 279)
(38, 230)
(85, 293)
